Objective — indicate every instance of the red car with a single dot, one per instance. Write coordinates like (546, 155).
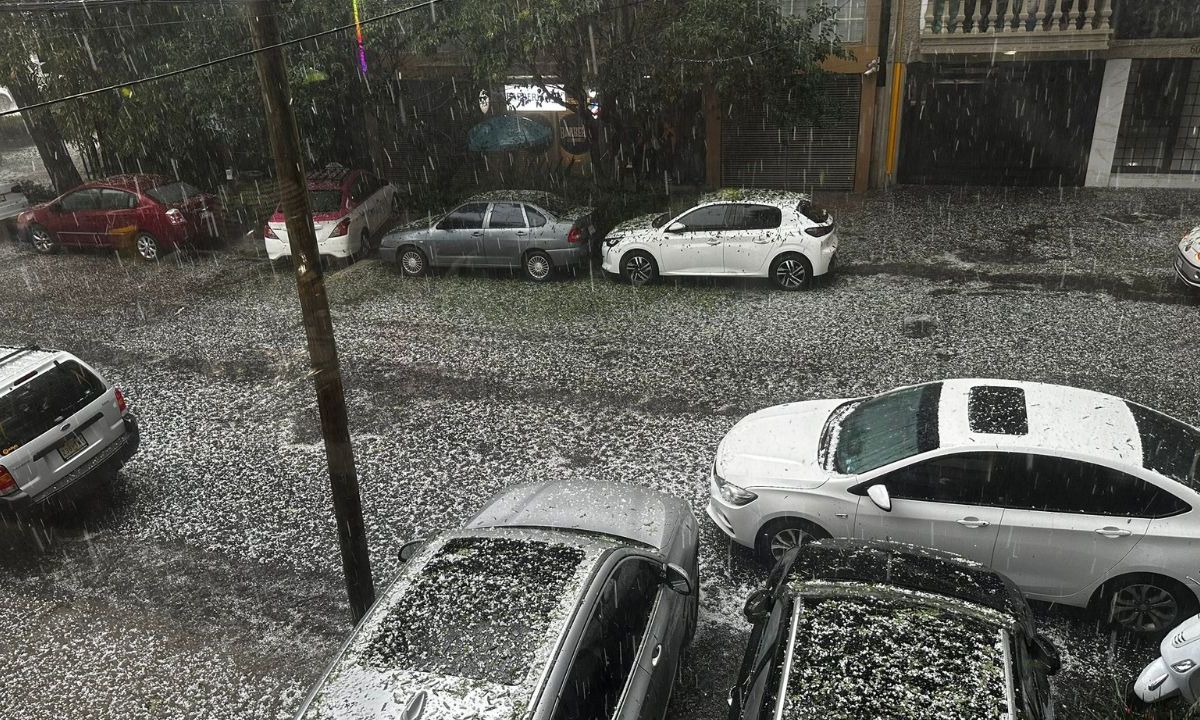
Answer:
(158, 213)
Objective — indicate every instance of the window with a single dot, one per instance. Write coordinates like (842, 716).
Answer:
(325, 201)
(849, 17)
(506, 216)
(466, 217)
(754, 217)
(536, 219)
(887, 428)
(1053, 484)
(360, 190)
(610, 643)
(117, 200)
(1160, 122)
(45, 400)
(965, 479)
(172, 193)
(708, 218)
(1168, 446)
(997, 410)
(81, 200)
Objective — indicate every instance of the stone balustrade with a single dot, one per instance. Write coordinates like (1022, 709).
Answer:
(1015, 26)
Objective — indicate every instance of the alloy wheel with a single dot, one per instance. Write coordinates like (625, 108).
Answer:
(787, 539)
(1144, 608)
(538, 267)
(791, 274)
(639, 269)
(41, 241)
(147, 247)
(412, 262)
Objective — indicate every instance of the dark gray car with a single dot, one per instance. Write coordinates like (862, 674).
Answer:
(563, 601)
(537, 232)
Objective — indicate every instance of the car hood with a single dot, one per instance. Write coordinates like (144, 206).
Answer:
(367, 693)
(625, 511)
(1189, 246)
(637, 224)
(777, 446)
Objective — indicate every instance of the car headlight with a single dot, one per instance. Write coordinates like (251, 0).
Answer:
(729, 492)
(612, 240)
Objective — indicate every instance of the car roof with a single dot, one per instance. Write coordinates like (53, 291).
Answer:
(784, 199)
(16, 361)
(910, 567)
(132, 182)
(1058, 419)
(540, 198)
(617, 510)
(331, 177)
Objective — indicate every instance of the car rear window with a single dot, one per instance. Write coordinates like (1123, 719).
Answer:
(812, 212)
(1169, 447)
(43, 401)
(866, 657)
(479, 609)
(173, 193)
(325, 201)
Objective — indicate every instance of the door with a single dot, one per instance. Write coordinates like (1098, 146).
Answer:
(608, 677)
(506, 235)
(1069, 522)
(458, 238)
(119, 216)
(751, 239)
(940, 503)
(695, 249)
(75, 221)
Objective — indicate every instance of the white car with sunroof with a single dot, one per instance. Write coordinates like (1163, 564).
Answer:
(1079, 497)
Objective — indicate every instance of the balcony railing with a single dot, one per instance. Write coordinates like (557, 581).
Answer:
(1008, 26)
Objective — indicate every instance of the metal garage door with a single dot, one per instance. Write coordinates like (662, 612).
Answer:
(755, 152)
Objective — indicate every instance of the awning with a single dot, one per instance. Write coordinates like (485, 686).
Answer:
(508, 132)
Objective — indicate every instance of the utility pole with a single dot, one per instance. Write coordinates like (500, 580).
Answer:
(310, 283)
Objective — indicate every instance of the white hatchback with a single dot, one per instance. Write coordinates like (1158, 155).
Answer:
(1081, 498)
(748, 233)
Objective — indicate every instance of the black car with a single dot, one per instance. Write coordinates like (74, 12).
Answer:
(847, 629)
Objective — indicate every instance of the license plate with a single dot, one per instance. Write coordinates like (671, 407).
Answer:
(72, 446)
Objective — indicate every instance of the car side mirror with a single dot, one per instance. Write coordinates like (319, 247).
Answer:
(409, 549)
(879, 495)
(758, 605)
(676, 227)
(1044, 652)
(677, 579)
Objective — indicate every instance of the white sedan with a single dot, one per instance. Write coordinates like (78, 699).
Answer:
(350, 208)
(780, 235)
(1080, 498)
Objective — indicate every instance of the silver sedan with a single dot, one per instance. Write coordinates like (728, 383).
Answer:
(537, 232)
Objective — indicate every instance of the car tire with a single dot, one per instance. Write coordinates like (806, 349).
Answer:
(1145, 603)
(638, 268)
(411, 261)
(537, 266)
(791, 271)
(778, 536)
(43, 240)
(147, 247)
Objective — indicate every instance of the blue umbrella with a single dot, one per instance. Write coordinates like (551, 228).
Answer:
(508, 132)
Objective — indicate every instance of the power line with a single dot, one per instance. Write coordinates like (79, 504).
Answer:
(218, 61)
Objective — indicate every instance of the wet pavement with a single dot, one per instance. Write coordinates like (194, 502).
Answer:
(206, 582)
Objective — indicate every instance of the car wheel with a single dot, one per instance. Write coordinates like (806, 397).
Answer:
(779, 536)
(538, 266)
(791, 271)
(42, 240)
(412, 262)
(1147, 603)
(639, 268)
(147, 247)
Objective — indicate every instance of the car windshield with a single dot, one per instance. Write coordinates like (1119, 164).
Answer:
(479, 609)
(660, 220)
(173, 193)
(866, 657)
(887, 428)
(325, 201)
(43, 401)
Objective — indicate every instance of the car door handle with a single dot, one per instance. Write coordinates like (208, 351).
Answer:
(522, 233)
(972, 522)
(1112, 532)
(476, 234)
(714, 242)
(762, 242)
(654, 656)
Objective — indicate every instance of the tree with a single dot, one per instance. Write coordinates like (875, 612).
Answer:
(639, 57)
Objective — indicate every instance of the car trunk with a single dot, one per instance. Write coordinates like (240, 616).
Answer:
(54, 422)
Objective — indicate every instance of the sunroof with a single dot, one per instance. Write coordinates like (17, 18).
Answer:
(997, 410)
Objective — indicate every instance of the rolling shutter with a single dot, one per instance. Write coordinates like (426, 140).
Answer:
(755, 152)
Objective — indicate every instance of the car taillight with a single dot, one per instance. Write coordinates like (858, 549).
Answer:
(819, 230)
(121, 404)
(175, 217)
(8, 484)
(342, 228)
(269, 234)
(575, 236)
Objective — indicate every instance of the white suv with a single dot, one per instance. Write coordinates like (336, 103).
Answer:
(63, 429)
(1081, 498)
